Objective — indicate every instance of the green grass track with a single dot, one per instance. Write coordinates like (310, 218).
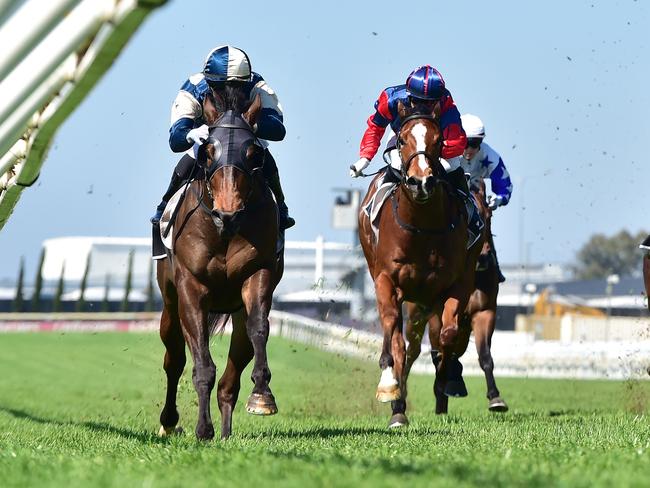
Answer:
(82, 410)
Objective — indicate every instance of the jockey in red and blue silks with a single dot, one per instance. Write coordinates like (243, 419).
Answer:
(424, 88)
(223, 65)
(431, 88)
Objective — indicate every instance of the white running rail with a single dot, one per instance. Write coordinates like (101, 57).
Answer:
(54, 51)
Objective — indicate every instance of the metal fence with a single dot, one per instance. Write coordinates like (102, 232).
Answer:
(53, 53)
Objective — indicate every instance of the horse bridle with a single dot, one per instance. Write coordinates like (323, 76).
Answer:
(437, 180)
(400, 143)
(209, 172)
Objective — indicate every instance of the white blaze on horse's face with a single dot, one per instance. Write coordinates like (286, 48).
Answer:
(419, 132)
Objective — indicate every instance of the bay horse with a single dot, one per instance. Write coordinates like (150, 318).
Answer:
(224, 263)
(479, 317)
(420, 255)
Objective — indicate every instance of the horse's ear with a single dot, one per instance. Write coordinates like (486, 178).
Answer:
(401, 110)
(210, 112)
(437, 110)
(253, 111)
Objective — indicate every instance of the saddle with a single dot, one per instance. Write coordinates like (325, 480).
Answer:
(163, 233)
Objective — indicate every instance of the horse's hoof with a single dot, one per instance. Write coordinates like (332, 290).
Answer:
(169, 431)
(497, 404)
(260, 404)
(398, 420)
(456, 389)
(387, 394)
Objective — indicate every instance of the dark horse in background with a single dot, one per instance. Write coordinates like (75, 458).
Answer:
(645, 245)
(420, 257)
(224, 263)
(479, 317)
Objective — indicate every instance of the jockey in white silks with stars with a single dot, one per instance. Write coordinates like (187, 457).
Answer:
(480, 162)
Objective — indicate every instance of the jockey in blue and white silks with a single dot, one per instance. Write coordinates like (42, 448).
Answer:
(188, 130)
(480, 162)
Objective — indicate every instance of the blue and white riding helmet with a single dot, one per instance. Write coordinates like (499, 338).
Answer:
(425, 83)
(227, 63)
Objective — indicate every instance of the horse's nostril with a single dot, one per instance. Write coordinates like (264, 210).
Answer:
(429, 183)
(413, 181)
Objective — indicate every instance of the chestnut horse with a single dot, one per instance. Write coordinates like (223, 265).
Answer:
(224, 263)
(479, 317)
(421, 252)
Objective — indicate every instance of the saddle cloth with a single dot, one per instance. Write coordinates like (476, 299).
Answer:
(167, 222)
(166, 219)
(386, 188)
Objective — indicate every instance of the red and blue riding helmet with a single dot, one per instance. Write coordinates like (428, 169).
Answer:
(425, 83)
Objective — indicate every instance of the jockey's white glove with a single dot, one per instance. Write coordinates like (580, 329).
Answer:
(357, 168)
(494, 201)
(198, 135)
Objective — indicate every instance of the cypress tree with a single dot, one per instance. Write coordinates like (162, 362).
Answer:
(18, 303)
(128, 282)
(59, 290)
(82, 286)
(38, 284)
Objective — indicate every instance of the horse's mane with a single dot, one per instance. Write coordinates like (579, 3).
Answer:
(229, 96)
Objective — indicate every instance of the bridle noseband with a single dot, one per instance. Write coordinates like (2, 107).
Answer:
(400, 143)
(404, 176)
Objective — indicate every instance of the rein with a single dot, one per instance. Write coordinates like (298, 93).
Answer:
(417, 230)
(208, 173)
(437, 179)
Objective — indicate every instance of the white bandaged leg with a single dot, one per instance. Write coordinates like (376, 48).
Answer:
(387, 378)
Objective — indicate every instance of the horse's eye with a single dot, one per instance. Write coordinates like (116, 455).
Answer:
(253, 154)
(216, 150)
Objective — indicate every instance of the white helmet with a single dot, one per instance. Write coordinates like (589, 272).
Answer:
(473, 126)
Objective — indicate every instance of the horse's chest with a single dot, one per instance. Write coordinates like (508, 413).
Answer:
(427, 276)
(413, 277)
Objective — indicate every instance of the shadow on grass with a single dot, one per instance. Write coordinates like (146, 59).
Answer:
(337, 432)
(102, 427)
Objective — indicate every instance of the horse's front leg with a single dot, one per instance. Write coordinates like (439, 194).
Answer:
(193, 313)
(435, 327)
(414, 331)
(239, 355)
(257, 294)
(453, 343)
(391, 361)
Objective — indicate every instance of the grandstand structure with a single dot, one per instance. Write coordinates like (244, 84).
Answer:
(53, 53)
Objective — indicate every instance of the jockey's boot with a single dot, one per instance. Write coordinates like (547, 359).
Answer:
(496, 263)
(645, 244)
(173, 187)
(474, 222)
(273, 181)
